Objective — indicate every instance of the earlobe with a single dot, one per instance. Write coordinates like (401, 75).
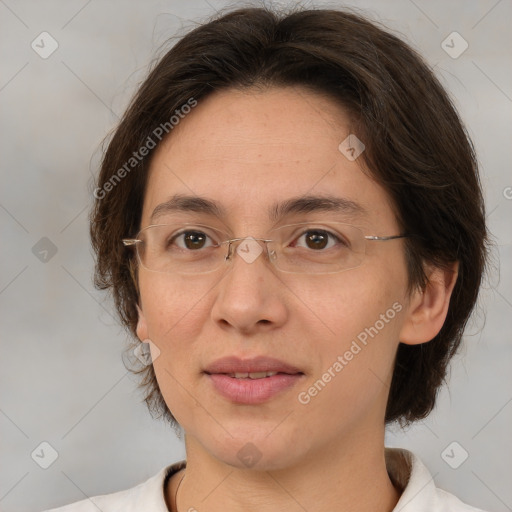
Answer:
(428, 308)
(142, 328)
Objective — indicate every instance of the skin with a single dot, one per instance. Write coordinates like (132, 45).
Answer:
(246, 150)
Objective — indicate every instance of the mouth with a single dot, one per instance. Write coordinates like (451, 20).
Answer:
(253, 367)
(251, 381)
(252, 375)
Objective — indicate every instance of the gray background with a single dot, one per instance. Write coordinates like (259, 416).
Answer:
(62, 378)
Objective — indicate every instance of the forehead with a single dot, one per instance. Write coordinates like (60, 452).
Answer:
(250, 150)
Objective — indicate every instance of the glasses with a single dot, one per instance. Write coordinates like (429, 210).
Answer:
(305, 248)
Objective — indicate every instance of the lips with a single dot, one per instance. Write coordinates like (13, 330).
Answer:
(233, 365)
(251, 381)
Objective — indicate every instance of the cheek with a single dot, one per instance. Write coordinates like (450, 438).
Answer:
(354, 378)
(341, 306)
(358, 323)
(174, 310)
(175, 313)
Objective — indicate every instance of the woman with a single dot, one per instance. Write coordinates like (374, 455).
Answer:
(289, 217)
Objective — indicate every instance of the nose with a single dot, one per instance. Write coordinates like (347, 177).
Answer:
(250, 295)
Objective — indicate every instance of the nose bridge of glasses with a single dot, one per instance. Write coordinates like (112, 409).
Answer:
(248, 248)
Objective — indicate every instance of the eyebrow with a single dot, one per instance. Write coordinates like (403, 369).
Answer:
(302, 204)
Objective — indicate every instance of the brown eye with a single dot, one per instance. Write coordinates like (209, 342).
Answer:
(194, 240)
(191, 240)
(317, 240)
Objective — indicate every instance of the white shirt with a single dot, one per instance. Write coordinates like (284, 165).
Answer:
(406, 471)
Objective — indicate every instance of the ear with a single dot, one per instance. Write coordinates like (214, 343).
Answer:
(142, 328)
(428, 308)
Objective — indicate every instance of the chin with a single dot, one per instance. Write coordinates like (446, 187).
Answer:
(255, 452)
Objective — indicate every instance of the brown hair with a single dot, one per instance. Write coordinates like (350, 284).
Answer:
(416, 148)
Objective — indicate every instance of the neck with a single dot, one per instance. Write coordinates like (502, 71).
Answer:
(348, 477)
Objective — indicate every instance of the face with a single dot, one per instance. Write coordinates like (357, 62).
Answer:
(249, 151)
